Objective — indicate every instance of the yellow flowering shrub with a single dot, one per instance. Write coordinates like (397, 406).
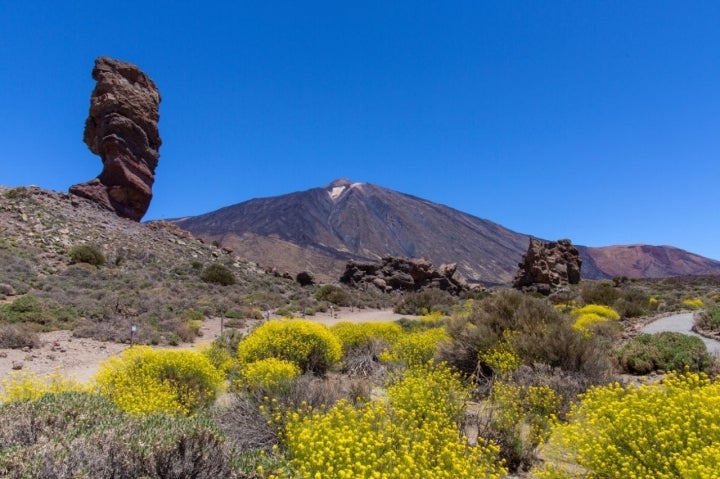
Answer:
(355, 334)
(270, 374)
(659, 430)
(433, 318)
(693, 303)
(311, 346)
(521, 418)
(502, 358)
(220, 357)
(411, 435)
(415, 348)
(144, 380)
(591, 314)
(28, 386)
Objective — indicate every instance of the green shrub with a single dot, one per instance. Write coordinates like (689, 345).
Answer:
(218, 273)
(709, 320)
(86, 254)
(666, 351)
(333, 294)
(144, 380)
(659, 430)
(599, 292)
(311, 346)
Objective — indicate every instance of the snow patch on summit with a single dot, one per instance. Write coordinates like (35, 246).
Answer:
(336, 192)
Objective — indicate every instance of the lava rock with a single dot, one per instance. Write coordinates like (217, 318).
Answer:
(122, 127)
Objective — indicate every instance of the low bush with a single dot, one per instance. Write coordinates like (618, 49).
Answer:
(599, 292)
(29, 386)
(519, 420)
(270, 376)
(424, 301)
(666, 429)
(144, 380)
(590, 315)
(219, 274)
(352, 335)
(17, 336)
(693, 303)
(708, 320)
(86, 254)
(333, 294)
(529, 327)
(666, 351)
(311, 346)
(70, 435)
(415, 348)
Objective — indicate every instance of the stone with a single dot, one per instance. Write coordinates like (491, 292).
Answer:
(122, 128)
(17, 365)
(548, 267)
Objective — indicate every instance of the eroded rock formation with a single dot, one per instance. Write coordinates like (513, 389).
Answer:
(122, 128)
(403, 274)
(548, 267)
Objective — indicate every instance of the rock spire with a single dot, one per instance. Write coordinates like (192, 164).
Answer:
(122, 127)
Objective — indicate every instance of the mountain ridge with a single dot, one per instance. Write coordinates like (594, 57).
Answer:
(321, 228)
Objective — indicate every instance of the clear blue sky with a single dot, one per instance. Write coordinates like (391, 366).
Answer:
(593, 120)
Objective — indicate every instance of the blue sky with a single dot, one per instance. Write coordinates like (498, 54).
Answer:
(598, 121)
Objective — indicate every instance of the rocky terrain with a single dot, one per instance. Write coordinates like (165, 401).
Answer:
(122, 128)
(320, 229)
(402, 274)
(151, 274)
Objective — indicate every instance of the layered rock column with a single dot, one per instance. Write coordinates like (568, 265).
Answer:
(548, 267)
(122, 128)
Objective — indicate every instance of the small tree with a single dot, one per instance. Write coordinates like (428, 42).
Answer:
(86, 254)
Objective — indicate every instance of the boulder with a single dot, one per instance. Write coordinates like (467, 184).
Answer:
(305, 278)
(122, 128)
(548, 267)
(403, 274)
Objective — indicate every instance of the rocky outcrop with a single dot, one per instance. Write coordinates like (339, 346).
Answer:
(122, 128)
(548, 267)
(402, 274)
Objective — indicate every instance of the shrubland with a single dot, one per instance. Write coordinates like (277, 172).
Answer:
(474, 387)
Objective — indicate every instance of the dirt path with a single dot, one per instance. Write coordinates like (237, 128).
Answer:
(80, 358)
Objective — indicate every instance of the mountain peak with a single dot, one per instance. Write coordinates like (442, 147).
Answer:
(340, 186)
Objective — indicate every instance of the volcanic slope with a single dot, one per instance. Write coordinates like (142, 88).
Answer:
(322, 228)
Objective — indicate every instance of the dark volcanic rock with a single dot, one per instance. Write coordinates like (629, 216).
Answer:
(548, 267)
(122, 129)
(403, 274)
